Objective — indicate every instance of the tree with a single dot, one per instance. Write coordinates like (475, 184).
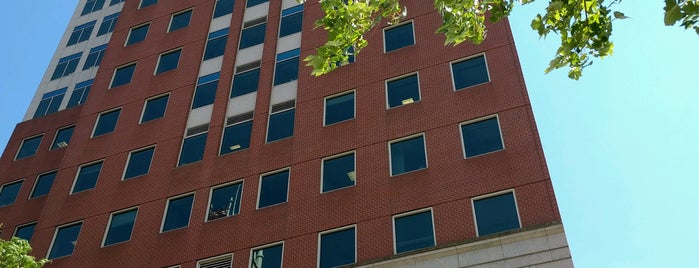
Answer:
(584, 26)
(15, 254)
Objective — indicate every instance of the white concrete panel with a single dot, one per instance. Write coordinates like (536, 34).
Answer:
(529, 260)
(289, 3)
(566, 263)
(525, 247)
(289, 42)
(210, 66)
(485, 255)
(200, 116)
(220, 23)
(241, 104)
(255, 12)
(248, 55)
(284, 92)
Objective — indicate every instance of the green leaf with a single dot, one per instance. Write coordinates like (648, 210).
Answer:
(672, 16)
(620, 15)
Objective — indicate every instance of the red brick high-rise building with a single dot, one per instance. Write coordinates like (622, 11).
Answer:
(190, 134)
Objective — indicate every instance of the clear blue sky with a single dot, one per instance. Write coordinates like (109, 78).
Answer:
(622, 144)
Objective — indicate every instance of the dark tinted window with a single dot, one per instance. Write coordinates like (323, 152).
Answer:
(273, 189)
(137, 34)
(25, 232)
(168, 61)
(178, 213)
(252, 3)
(481, 137)
(114, 2)
(292, 20)
(337, 248)
(108, 24)
(62, 137)
(398, 37)
(287, 68)
(236, 137)
(29, 147)
(80, 93)
(180, 20)
(223, 7)
(145, 3)
(95, 57)
(408, 155)
(205, 93)
(81, 33)
(92, 6)
(123, 75)
(496, 214)
(338, 172)
(192, 149)
(339, 108)
(252, 36)
(216, 44)
(66, 66)
(43, 184)
(64, 241)
(469, 72)
(106, 123)
(225, 201)
(403, 91)
(269, 257)
(120, 227)
(139, 163)
(50, 102)
(414, 232)
(155, 108)
(281, 125)
(87, 177)
(8, 193)
(245, 82)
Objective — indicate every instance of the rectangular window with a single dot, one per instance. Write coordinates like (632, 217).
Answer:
(25, 231)
(481, 137)
(246, 79)
(43, 184)
(108, 24)
(291, 21)
(413, 231)
(86, 178)
(252, 3)
(123, 75)
(216, 44)
(177, 212)
(137, 34)
(205, 93)
(338, 172)
(50, 102)
(81, 33)
(95, 57)
(337, 247)
(281, 121)
(120, 227)
(193, 145)
(64, 240)
(274, 188)
(114, 2)
(407, 154)
(402, 90)
(29, 147)
(138, 163)
(287, 67)
(339, 108)
(469, 72)
(168, 61)
(253, 33)
(66, 66)
(79, 95)
(398, 36)
(92, 6)
(154, 108)
(268, 256)
(223, 7)
(225, 201)
(106, 123)
(145, 3)
(496, 213)
(223, 261)
(236, 135)
(62, 138)
(9, 192)
(180, 20)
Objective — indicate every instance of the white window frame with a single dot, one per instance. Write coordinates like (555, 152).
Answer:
(390, 160)
(322, 169)
(320, 234)
(419, 89)
(498, 193)
(259, 186)
(109, 224)
(145, 103)
(128, 159)
(211, 195)
(160, 56)
(269, 118)
(22, 144)
(179, 153)
(55, 136)
(2, 187)
(172, 17)
(36, 181)
(383, 34)
(77, 173)
(126, 42)
(167, 205)
(24, 225)
(354, 103)
(476, 120)
(111, 82)
(55, 233)
(410, 213)
(273, 244)
(97, 120)
(451, 70)
(223, 131)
